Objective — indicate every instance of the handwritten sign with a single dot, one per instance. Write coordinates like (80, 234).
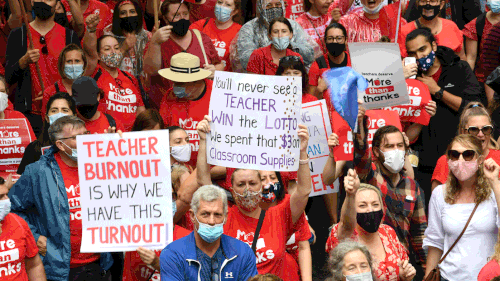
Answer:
(255, 121)
(15, 135)
(414, 111)
(126, 193)
(380, 64)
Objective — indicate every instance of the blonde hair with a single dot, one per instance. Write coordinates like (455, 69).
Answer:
(365, 186)
(496, 254)
(473, 109)
(482, 186)
(177, 172)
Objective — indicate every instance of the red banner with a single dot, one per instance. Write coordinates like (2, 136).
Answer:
(15, 135)
(415, 110)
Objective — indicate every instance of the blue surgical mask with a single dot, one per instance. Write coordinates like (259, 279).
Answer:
(494, 6)
(426, 62)
(365, 276)
(180, 92)
(73, 71)
(54, 117)
(74, 155)
(281, 43)
(223, 14)
(4, 208)
(209, 233)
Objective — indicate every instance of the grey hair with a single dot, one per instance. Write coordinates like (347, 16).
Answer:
(56, 129)
(336, 260)
(208, 193)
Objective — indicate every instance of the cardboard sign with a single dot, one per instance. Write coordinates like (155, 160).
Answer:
(376, 118)
(315, 116)
(15, 135)
(414, 111)
(380, 64)
(255, 120)
(126, 193)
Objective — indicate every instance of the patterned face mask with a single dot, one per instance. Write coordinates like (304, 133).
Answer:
(272, 13)
(426, 62)
(249, 200)
(112, 60)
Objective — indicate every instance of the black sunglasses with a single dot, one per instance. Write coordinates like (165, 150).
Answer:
(44, 43)
(487, 130)
(468, 155)
(290, 58)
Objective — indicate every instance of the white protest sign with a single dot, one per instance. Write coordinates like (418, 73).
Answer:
(255, 121)
(380, 64)
(125, 191)
(315, 116)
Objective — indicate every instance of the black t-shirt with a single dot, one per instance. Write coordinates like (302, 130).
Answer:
(334, 65)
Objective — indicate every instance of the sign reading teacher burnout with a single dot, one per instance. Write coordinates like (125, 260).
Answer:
(380, 64)
(125, 191)
(255, 121)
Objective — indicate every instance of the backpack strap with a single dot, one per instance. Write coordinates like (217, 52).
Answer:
(57, 87)
(206, 22)
(480, 22)
(198, 35)
(321, 61)
(145, 97)
(257, 230)
(111, 120)
(97, 75)
(417, 22)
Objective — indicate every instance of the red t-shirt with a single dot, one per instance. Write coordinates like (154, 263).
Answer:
(199, 12)
(315, 27)
(450, 36)
(315, 72)
(55, 41)
(186, 114)
(436, 75)
(220, 38)
(489, 271)
(134, 269)
(49, 92)
(72, 184)
(441, 170)
(121, 97)
(95, 7)
(261, 61)
(271, 245)
(18, 244)
(100, 124)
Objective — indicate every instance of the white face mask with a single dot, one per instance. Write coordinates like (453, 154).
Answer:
(4, 101)
(375, 10)
(365, 276)
(181, 153)
(394, 160)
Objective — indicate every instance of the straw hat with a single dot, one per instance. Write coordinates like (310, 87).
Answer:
(184, 67)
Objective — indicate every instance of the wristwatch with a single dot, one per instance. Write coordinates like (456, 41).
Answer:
(439, 94)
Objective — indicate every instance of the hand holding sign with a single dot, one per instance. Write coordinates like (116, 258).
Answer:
(303, 136)
(203, 127)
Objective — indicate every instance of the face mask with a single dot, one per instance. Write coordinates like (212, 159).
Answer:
(74, 155)
(61, 19)
(375, 10)
(209, 233)
(4, 208)
(370, 221)
(429, 7)
(394, 160)
(42, 10)
(223, 14)
(180, 27)
(271, 192)
(181, 153)
(366, 276)
(494, 6)
(4, 101)
(73, 71)
(87, 111)
(130, 24)
(272, 13)
(281, 43)
(180, 92)
(462, 169)
(112, 60)
(335, 49)
(54, 117)
(249, 200)
(426, 62)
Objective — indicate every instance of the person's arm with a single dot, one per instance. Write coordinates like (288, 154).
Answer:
(418, 225)
(433, 257)
(298, 199)
(203, 174)
(305, 261)
(362, 157)
(462, 55)
(171, 265)
(330, 169)
(491, 171)
(348, 214)
(152, 57)
(35, 269)
(218, 172)
(90, 43)
(185, 194)
(77, 21)
(490, 93)
(435, 183)
(471, 50)
(149, 257)
(15, 18)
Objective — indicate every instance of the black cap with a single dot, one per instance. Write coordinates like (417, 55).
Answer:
(85, 91)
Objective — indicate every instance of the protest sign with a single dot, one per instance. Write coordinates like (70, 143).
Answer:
(414, 111)
(376, 118)
(125, 191)
(380, 64)
(315, 116)
(15, 135)
(255, 121)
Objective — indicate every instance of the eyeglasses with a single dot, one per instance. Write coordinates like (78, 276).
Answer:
(468, 155)
(338, 39)
(487, 130)
(290, 58)
(432, 2)
(74, 137)
(44, 43)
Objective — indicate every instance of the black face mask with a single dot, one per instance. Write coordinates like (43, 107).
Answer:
(370, 222)
(87, 111)
(335, 49)
(42, 10)
(180, 27)
(61, 19)
(436, 10)
(130, 24)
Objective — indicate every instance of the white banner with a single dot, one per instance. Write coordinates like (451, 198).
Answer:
(380, 64)
(255, 120)
(125, 191)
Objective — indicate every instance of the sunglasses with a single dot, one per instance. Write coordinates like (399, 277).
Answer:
(487, 130)
(468, 155)
(290, 58)
(44, 43)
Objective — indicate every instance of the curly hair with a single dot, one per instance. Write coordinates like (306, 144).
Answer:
(496, 254)
(483, 188)
(474, 109)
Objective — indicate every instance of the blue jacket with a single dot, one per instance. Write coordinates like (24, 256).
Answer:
(40, 198)
(178, 260)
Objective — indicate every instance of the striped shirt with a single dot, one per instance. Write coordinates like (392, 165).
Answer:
(490, 56)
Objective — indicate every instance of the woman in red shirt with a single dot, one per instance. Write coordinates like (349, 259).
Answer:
(293, 66)
(265, 60)
(492, 268)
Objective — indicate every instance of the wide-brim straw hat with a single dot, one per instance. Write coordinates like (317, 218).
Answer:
(184, 67)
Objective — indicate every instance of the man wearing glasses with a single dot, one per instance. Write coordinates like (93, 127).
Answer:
(47, 196)
(49, 38)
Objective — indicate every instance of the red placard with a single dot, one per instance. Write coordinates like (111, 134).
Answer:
(15, 135)
(415, 110)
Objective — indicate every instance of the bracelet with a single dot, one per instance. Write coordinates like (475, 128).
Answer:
(304, 161)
